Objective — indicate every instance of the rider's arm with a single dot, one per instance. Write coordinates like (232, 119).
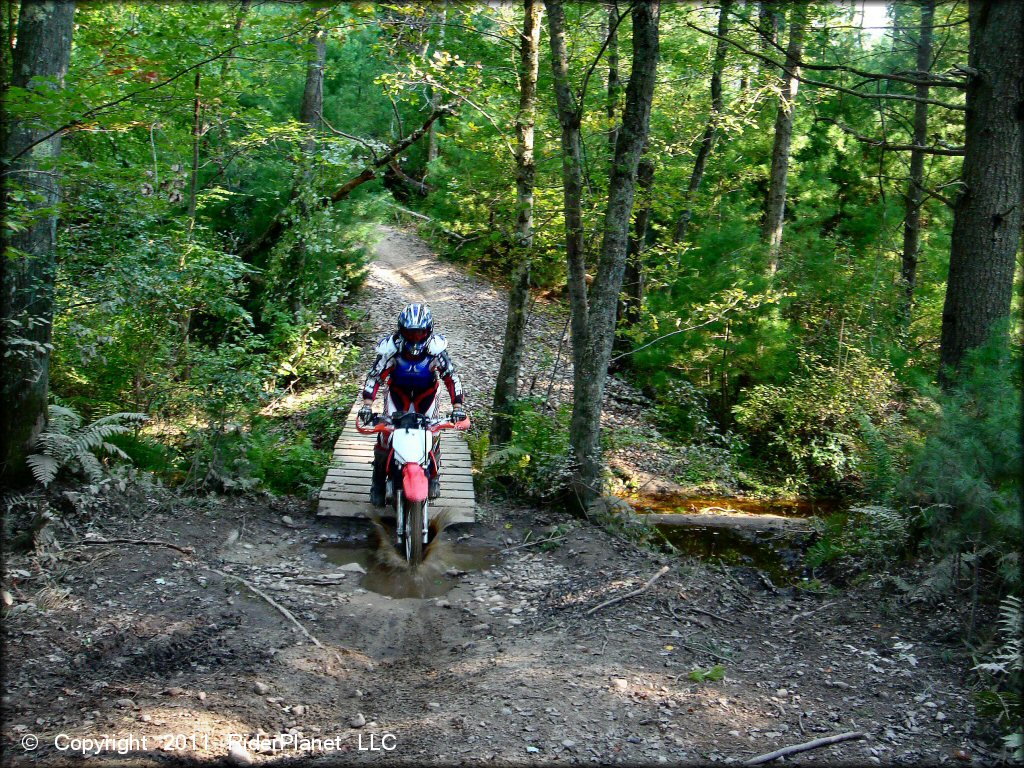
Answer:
(380, 370)
(446, 370)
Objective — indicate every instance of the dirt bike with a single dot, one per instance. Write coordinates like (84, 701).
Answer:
(410, 443)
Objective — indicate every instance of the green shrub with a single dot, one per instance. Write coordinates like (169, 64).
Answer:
(967, 471)
(286, 465)
(536, 462)
(145, 453)
(811, 428)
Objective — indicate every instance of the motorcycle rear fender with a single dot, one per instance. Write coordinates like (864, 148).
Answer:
(414, 482)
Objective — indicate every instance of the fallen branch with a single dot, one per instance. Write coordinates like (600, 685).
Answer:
(807, 745)
(139, 542)
(634, 593)
(533, 543)
(284, 611)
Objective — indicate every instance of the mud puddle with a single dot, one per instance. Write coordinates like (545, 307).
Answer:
(387, 572)
(780, 555)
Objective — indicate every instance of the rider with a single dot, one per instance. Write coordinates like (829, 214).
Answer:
(411, 361)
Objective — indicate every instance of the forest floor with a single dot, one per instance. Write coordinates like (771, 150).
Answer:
(175, 651)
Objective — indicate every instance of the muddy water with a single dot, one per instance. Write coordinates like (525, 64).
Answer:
(387, 573)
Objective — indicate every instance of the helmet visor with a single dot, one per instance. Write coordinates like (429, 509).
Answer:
(415, 335)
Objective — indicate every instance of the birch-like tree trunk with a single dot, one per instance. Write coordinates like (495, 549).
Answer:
(987, 216)
(28, 258)
(595, 350)
(775, 210)
(707, 142)
(506, 388)
(915, 184)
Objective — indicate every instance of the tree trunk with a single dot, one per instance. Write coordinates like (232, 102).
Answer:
(432, 148)
(987, 216)
(506, 388)
(776, 207)
(614, 82)
(197, 132)
(768, 29)
(915, 185)
(632, 299)
(707, 143)
(28, 260)
(569, 118)
(310, 113)
(590, 375)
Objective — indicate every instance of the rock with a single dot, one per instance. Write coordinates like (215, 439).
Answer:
(173, 691)
(358, 721)
(287, 520)
(352, 567)
(480, 627)
(124, 703)
(940, 716)
(231, 539)
(357, 694)
(299, 710)
(569, 744)
(433, 705)
(202, 695)
(782, 692)
(620, 683)
(443, 604)
(239, 755)
(7, 597)
(260, 687)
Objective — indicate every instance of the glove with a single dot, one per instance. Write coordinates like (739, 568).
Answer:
(458, 414)
(365, 415)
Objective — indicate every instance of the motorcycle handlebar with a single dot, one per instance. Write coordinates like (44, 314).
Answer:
(383, 424)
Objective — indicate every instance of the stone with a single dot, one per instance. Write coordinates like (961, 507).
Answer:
(239, 755)
(260, 687)
(358, 721)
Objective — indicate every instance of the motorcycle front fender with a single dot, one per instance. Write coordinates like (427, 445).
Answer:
(414, 482)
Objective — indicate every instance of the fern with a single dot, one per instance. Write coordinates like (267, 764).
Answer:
(67, 444)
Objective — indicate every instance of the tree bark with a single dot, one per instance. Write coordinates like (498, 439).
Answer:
(506, 388)
(775, 209)
(632, 299)
(987, 216)
(767, 28)
(707, 142)
(915, 185)
(592, 372)
(28, 259)
(569, 118)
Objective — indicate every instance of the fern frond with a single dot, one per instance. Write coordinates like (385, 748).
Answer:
(44, 468)
(91, 466)
(504, 454)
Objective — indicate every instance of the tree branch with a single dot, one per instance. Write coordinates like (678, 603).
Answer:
(885, 146)
(822, 84)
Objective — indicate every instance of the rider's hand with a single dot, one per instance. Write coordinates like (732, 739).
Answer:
(458, 414)
(365, 415)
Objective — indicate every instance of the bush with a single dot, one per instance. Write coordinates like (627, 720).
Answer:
(811, 428)
(536, 462)
(967, 471)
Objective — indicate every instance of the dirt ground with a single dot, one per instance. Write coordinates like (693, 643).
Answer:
(167, 655)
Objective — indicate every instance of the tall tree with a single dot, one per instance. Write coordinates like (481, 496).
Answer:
(593, 324)
(28, 260)
(506, 386)
(632, 299)
(614, 81)
(707, 142)
(987, 216)
(915, 184)
(775, 208)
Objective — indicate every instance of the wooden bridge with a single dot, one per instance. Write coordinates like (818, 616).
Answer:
(346, 491)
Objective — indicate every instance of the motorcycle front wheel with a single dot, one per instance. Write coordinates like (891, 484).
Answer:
(414, 533)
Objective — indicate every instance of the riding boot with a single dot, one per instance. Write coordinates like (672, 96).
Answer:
(380, 476)
(434, 486)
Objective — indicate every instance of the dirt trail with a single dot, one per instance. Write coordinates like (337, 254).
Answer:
(507, 668)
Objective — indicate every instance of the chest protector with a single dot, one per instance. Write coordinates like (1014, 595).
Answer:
(413, 376)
